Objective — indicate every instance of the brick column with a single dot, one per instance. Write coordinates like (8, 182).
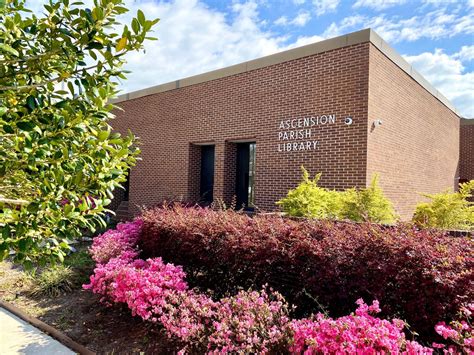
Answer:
(219, 174)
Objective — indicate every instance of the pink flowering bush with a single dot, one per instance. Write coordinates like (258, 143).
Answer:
(101, 281)
(114, 242)
(188, 316)
(250, 321)
(459, 333)
(359, 333)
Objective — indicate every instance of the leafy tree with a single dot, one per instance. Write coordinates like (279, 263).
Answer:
(59, 160)
(447, 210)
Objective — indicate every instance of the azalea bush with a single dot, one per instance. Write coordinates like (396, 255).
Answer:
(459, 333)
(249, 322)
(313, 201)
(421, 276)
(358, 333)
(114, 242)
(447, 210)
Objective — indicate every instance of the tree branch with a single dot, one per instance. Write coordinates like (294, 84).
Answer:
(10, 201)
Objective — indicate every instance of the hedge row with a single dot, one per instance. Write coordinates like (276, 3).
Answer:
(420, 276)
(249, 322)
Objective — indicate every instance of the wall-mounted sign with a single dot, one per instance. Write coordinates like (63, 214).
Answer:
(297, 134)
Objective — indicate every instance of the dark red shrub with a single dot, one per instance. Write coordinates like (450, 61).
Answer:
(421, 276)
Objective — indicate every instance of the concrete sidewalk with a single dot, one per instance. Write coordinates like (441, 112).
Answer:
(20, 337)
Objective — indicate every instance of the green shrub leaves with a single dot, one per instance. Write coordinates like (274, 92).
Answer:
(312, 201)
(447, 210)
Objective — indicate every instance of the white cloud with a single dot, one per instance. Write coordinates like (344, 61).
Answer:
(194, 38)
(433, 25)
(304, 40)
(301, 2)
(442, 2)
(378, 4)
(448, 74)
(465, 54)
(347, 24)
(324, 6)
(300, 20)
(281, 21)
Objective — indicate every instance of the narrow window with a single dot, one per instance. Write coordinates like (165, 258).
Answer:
(206, 190)
(245, 176)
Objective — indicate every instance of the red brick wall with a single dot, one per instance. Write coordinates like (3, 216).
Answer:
(466, 166)
(250, 106)
(416, 149)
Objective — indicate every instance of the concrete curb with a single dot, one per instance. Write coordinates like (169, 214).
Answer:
(45, 328)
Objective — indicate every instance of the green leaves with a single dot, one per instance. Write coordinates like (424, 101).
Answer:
(312, 201)
(447, 210)
(25, 125)
(8, 129)
(121, 44)
(141, 17)
(8, 49)
(60, 161)
(31, 103)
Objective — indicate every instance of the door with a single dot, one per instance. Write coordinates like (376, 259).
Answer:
(126, 186)
(245, 176)
(207, 174)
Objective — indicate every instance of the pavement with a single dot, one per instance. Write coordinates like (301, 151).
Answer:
(20, 337)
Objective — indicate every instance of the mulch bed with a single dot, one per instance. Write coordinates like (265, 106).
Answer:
(80, 315)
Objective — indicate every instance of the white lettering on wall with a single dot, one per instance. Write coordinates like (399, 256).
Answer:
(297, 134)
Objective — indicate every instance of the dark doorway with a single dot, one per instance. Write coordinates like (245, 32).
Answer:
(245, 176)
(126, 186)
(207, 174)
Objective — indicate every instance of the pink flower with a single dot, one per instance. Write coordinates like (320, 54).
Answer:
(358, 333)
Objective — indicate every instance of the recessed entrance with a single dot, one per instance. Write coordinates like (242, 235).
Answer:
(126, 186)
(206, 188)
(245, 176)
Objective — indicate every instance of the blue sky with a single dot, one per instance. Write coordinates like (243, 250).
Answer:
(436, 36)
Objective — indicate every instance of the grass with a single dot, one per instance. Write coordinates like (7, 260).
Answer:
(50, 281)
(60, 279)
(53, 281)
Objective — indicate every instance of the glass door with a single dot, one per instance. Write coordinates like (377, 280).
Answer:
(245, 176)
(206, 189)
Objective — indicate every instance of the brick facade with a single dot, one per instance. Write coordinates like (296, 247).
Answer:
(414, 150)
(466, 165)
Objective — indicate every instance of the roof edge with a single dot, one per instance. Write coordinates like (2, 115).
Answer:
(362, 36)
(467, 121)
(277, 58)
(397, 59)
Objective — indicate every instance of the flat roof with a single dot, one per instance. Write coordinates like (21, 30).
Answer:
(467, 121)
(363, 36)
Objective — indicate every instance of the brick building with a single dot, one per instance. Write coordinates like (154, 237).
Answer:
(348, 107)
